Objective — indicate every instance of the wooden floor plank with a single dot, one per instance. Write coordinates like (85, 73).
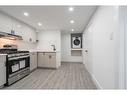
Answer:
(68, 76)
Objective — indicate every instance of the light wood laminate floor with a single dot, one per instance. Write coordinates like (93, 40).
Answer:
(68, 76)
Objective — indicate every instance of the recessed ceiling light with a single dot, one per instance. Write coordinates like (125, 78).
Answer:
(71, 9)
(39, 24)
(71, 21)
(18, 26)
(26, 14)
(72, 29)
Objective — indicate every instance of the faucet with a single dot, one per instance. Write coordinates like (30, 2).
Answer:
(53, 47)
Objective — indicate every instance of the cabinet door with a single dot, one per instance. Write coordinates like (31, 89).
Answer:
(41, 59)
(52, 60)
(47, 60)
(18, 28)
(2, 70)
(5, 23)
(29, 34)
(33, 60)
(33, 36)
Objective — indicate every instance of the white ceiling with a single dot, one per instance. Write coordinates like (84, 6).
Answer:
(52, 17)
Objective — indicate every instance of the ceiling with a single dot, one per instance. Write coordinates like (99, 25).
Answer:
(52, 17)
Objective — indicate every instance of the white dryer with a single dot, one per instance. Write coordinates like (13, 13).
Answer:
(76, 42)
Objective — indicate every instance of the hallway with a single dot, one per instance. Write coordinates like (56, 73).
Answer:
(68, 76)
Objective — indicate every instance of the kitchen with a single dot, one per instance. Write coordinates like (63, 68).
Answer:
(58, 47)
(26, 48)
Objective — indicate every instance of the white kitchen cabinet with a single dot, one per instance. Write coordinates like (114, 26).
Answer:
(28, 33)
(33, 60)
(2, 70)
(47, 60)
(18, 28)
(5, 23)
(52, 59)
(41, 59)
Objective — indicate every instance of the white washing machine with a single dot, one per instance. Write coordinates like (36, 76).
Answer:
(76, 42)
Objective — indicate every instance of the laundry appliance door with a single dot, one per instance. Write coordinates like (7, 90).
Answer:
(76, 42)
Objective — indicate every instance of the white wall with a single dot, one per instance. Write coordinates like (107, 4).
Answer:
(66, 49)
(105, 45)
(48, 38)
(123, 47)
(88, 45)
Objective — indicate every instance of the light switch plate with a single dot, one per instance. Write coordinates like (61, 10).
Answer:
(112, 36)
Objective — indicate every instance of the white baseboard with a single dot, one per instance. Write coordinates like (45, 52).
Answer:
(70, 62)
(95, 80)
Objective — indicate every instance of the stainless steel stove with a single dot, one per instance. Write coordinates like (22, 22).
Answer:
(17, 64)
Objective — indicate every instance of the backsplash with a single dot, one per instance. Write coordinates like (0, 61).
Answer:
(5, 41)
(22, 45)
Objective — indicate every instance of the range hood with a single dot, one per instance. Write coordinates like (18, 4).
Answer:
(10, 36)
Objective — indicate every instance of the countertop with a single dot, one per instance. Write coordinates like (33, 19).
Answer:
(46, 51)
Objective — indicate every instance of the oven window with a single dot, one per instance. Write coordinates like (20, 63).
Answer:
(15, 67)
(22, 64)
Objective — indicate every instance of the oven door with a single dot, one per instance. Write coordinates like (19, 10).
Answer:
(13, 66)
(18, 64)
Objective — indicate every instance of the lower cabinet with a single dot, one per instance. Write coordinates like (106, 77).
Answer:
(47, 60)
(33, 60)
(2, 70)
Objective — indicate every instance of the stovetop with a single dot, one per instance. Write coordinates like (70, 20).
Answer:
(11, 51)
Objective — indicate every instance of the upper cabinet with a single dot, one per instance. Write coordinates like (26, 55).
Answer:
(7, 23)
(28, 33)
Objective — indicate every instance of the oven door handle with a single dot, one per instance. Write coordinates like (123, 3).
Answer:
(18, 57)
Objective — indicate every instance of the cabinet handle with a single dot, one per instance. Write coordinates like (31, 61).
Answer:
(50, 56)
